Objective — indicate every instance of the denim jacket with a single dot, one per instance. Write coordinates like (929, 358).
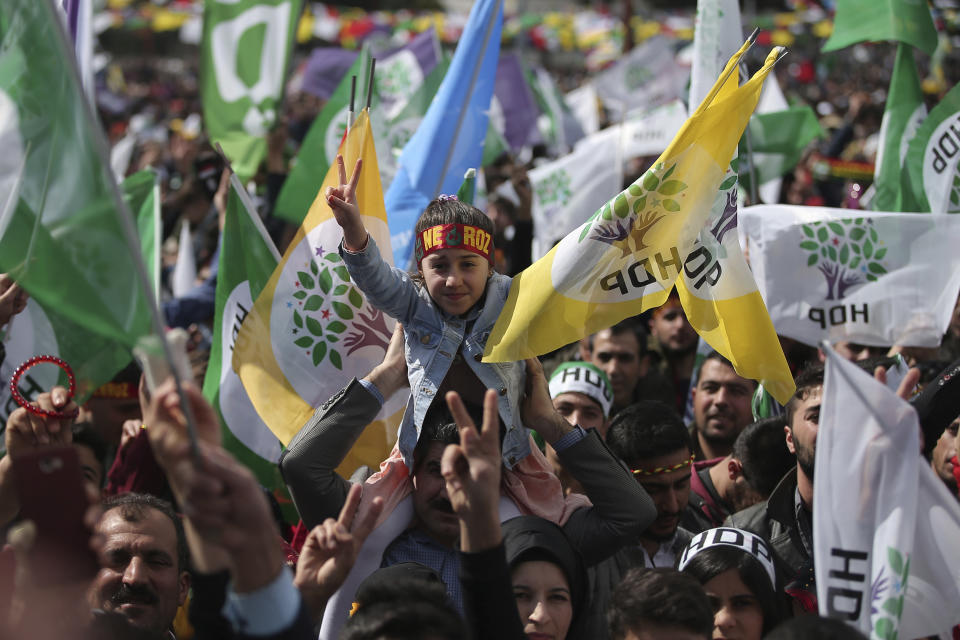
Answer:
(432, 340)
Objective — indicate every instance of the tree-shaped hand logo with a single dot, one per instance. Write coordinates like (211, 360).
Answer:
(634, 212)
(555, 188)
(326, 301)
(954, 206)
(887, 594)
(847, 252)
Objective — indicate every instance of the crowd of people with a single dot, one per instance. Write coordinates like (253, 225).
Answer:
(561, 497)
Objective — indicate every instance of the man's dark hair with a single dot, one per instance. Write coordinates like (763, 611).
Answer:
(133, 508)
(628, 325)
(85, 434)
(404, 609)
(762, 451)
(647, 429)
(452, 211)
(809, 378)
(715, 355)
(803, 627)
(661, 597)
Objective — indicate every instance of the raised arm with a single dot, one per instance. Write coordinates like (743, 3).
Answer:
(621, 508)
(309, 464)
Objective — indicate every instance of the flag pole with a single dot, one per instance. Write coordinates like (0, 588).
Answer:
(353, 97)
(128, 230)
(373, 66)
(248, 204)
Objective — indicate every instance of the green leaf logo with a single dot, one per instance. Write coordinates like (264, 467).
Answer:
(324, 299)
(847, 252)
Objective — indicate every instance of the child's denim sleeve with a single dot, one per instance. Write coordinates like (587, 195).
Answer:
(387, 288)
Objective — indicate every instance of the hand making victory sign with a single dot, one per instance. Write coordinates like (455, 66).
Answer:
(343, 203)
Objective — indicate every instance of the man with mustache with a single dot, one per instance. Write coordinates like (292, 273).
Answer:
(143, 573)
(721, 408)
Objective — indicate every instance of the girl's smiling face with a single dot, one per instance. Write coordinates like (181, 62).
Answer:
(455, 279)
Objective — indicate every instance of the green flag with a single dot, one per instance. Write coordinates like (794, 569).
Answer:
(904, 112)
(907, 21)
(246, 45)
(247, 259)
(560, 128)
(64, 234)
(319, 148)
(777, 141)
(142, 194)
(931, 170)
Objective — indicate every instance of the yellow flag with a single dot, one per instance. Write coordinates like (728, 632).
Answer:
(311, 330)
(627, 256)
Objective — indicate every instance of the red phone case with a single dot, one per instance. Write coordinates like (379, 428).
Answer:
(51, 490)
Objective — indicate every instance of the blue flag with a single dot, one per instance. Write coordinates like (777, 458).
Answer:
(450, 138)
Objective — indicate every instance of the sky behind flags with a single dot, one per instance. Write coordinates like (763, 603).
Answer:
(246, 46)
(66, 246)
(424, 172)
(626, 257)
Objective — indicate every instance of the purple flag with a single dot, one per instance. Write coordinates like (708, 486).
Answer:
(424, 46)
(79, 15)
(517, 104)
(325, 69)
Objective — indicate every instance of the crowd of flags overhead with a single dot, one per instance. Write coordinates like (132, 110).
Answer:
(289, 330)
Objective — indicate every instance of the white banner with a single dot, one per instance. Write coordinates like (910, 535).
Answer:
(885, 552)
(647, 76)
(570, 189)
(846, 275)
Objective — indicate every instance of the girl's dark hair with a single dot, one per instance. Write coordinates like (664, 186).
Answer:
(451, 211)
(709, 563)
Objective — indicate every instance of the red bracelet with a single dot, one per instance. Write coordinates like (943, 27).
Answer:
(18, 397)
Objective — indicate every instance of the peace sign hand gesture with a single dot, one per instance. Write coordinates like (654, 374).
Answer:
(343, 202)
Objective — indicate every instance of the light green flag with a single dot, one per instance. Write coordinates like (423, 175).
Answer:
(247, 259)
(64, 234)
(907, 21)
(904, 112)
(779, 138)
(560, 128)
(246, 45)
(319, 148)
(142, 193)
(931, 171)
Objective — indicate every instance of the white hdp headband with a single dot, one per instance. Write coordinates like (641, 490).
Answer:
(730, 537)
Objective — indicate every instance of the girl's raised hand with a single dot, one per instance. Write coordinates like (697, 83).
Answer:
(343, 202)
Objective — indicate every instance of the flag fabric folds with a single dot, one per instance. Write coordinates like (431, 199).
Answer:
(884, 526)
(628, 255)
(310, 330)
(933, 164)
(647, 76)
(246, 46)
(319, 148)
(247, 260)
(450, 138)
(62, 227)
(904, 112)
(840, 275)
(905, 21)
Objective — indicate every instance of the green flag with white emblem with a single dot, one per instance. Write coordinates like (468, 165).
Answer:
(246, 45)
(932, 170)
(247, 259)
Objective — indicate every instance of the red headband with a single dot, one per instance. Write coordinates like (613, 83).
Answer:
(453, 236)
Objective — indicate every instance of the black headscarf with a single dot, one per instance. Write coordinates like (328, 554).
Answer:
(529, 538)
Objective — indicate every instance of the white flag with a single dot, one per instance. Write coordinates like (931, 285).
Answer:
(647, 76)
(885, 551)
(583, 102)
(569, 190)
(184, 275)
(871, 278)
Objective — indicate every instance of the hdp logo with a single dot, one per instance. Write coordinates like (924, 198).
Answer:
(326, 301)
(846, 252)
(634, 212)
(554, 188)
